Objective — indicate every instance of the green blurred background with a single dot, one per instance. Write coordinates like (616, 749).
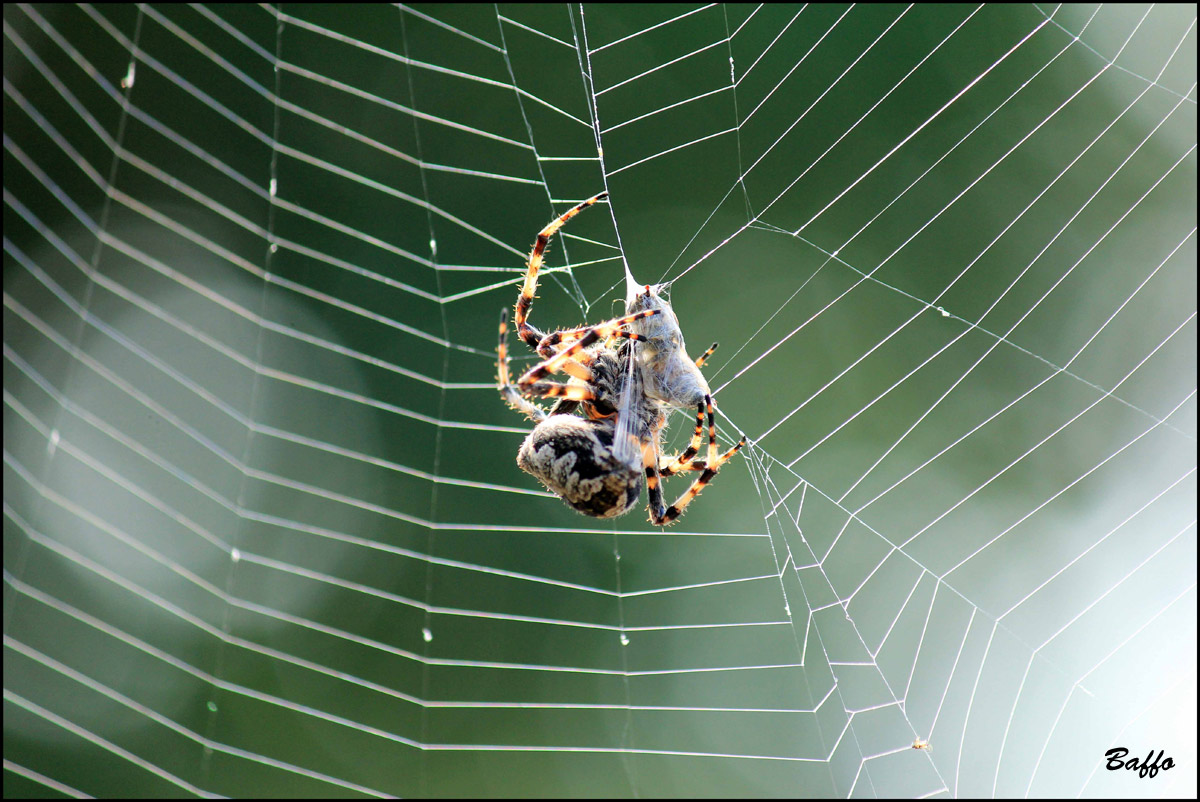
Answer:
(264, 533)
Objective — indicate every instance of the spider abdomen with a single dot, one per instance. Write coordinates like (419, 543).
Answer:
(573, 457)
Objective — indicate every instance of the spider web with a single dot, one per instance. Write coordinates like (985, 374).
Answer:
(263, 530)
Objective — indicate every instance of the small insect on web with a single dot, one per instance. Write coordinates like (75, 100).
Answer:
(600, 441)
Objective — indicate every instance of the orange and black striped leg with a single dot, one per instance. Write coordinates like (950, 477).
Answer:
(725, 457)
(529, 385)
(683, 461)
(711, 465)
(511, 395)
(712, 432)
(577, 369)
(591, 335)
(653, 488)
(700, 360)
(670, 514)
(547, 350)
(526, 332)
(669, 466)
(571, 392)
(609, 328)
(699, 464)
(556, 362)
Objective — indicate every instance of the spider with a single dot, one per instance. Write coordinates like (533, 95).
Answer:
(597, 461)
(919, 744)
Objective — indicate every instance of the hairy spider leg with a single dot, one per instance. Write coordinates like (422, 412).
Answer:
(526, 332)
(700, 360)
(661, 516)
(514, 395)
(669, 466)
(529, 386)
(712, 432)
(681, 462)
(567, 336)
(591, 335)
(697, 464)
(510, 393)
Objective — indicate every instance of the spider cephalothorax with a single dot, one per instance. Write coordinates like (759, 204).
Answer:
(602, 435)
